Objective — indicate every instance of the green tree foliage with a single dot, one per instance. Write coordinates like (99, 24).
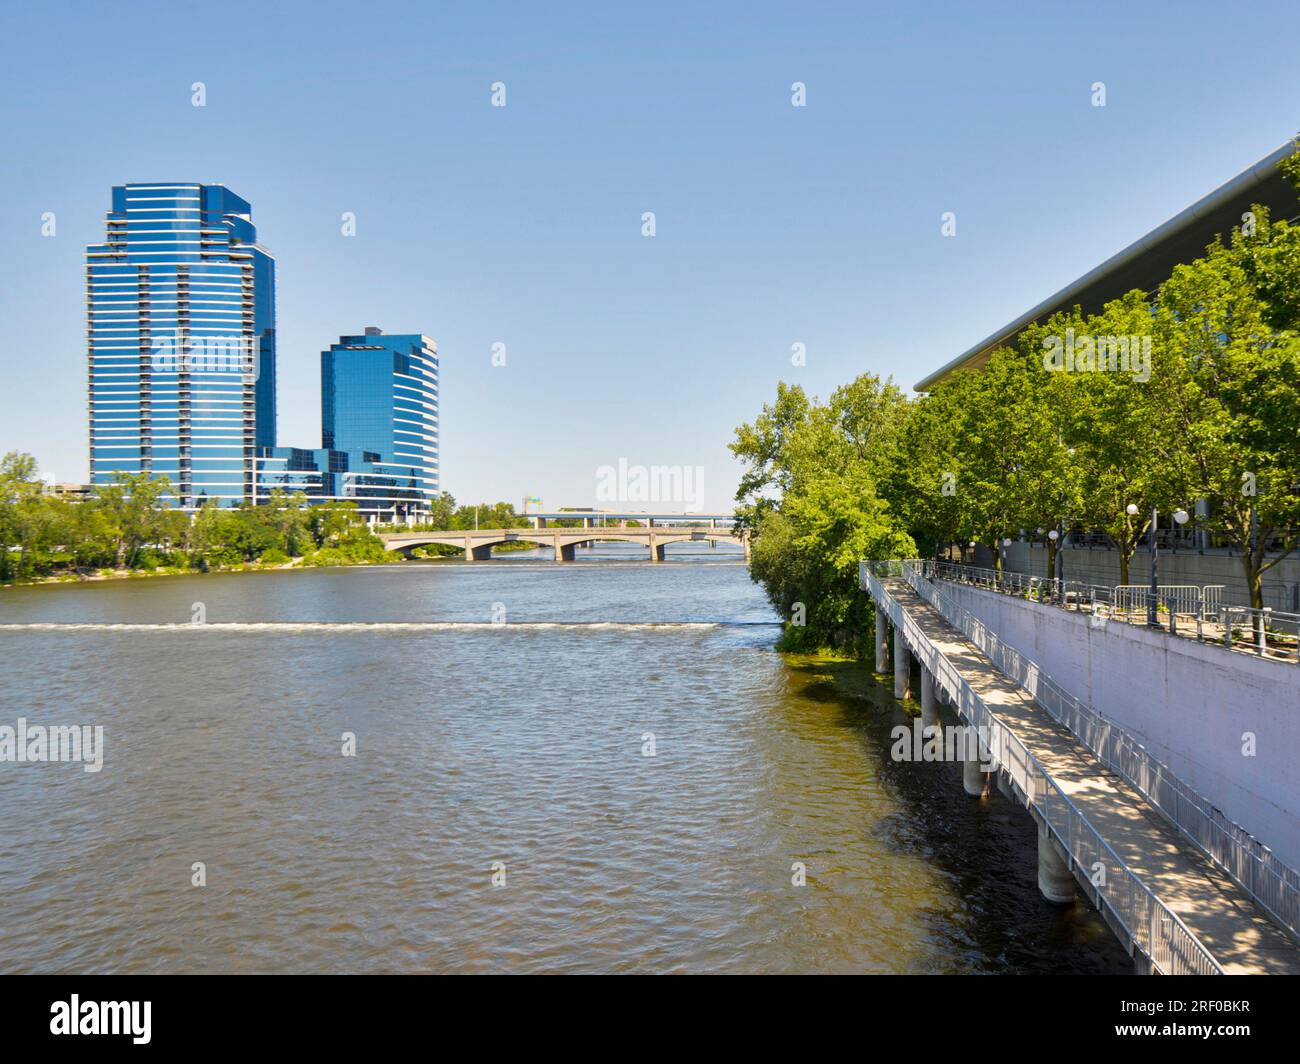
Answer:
(446, 516)
(487, 515)
(1230, 388)
(809, 495)
(441, 510)
(129, 525)
(1205, 409)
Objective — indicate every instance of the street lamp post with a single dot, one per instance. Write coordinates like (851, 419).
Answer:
(1180, 517)
(1055, 536)
(1058, 537)
(1152, 620)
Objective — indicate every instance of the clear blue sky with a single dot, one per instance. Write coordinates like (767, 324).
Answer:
(522, 225)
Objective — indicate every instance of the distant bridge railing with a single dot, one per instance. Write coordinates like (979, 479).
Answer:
(1184, 610)
(1273, 885)
(1155, 929)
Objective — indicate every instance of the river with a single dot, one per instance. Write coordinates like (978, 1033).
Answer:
(502, 712)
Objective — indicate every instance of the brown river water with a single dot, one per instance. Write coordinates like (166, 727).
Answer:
(513, 752)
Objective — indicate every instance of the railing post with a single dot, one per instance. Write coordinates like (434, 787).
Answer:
(1263, 628)
(1153, 930)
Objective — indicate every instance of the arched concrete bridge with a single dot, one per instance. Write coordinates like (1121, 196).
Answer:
(478, 543)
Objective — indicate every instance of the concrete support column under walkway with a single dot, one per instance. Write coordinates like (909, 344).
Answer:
(1054, 877)
(929, 704)
(882, 641)
(902, 666)
(973, 778)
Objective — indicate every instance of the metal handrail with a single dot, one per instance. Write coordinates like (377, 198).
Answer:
(1272, 884)
(1151, 925)
(1180, 598)
(1243, 628)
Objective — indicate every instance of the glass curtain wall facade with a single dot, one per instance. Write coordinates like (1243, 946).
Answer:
(379, 405)
(181, 336)
(382, 491)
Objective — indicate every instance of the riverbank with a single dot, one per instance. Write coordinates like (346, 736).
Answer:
(845, 677)
(91, 576)
(86, 576)
(132, 528)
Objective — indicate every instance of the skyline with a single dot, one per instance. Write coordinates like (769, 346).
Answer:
(862, 536)
(521, 225)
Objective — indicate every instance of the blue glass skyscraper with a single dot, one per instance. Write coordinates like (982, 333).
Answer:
(181, 335)
(379, 400)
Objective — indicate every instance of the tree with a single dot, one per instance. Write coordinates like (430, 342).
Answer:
(332, 521)
(810, 496)
(1230, 389)
(487, 515)
(19, 491)
(764, 447)
(441, 510)
(1111, 423)
(923, 482)
(132, 503)
(286, 515)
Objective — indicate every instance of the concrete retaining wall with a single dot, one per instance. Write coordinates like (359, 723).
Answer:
(1188, 703)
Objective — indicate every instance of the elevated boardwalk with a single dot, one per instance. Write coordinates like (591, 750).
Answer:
(1138, 849)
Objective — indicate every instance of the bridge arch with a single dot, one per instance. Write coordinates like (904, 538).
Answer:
(477, 544)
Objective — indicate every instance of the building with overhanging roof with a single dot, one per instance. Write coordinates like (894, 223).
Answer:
(1148, 261)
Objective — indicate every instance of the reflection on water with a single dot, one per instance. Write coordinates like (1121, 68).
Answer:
(520, 743)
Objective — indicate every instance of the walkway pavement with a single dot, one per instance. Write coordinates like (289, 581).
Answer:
(1215, 909)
